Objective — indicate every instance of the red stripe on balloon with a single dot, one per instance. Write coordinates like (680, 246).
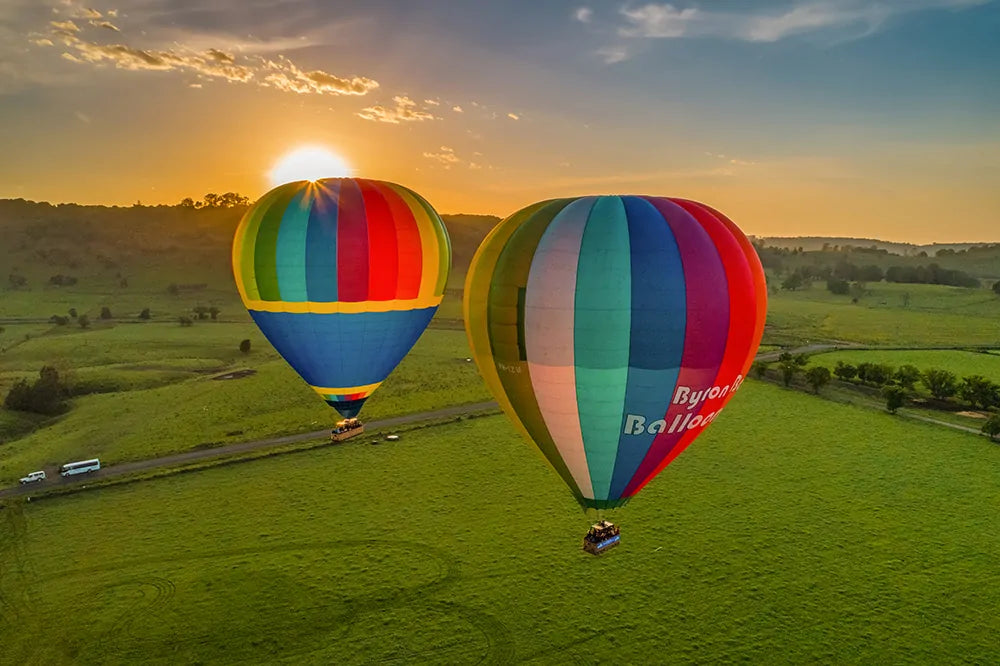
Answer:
(409, 248)
(352, 244)
(383, 259)
(743, 320)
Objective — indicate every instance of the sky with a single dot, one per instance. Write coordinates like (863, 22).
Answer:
(793, 117)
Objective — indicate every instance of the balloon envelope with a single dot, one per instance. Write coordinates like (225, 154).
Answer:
(612, 330)
(342, 275)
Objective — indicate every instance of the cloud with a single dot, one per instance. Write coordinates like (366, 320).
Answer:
(405, 111)
(285, 75)
(665, 21)
(735, 161)
(513, 116)
(281, 74)
(613, 54)
(104, 24)
(42, 42)
(584, 14)
(82, 117)
(457, 109)
(447, 158)
(432, 102)
(66, 28)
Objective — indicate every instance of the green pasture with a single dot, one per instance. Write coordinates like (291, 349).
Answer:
(962, 363)
(156, 394)
(935, 315)
(795, 530)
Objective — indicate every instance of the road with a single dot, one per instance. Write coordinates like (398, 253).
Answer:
(242, 447)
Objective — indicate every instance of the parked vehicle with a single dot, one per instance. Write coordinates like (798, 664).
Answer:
(33, 477)
(80, 467)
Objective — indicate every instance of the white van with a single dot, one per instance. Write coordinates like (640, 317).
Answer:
(33, 477)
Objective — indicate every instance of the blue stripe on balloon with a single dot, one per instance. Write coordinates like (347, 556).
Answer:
(321, 243)
(657, 336)
(343, 350)
(291, 246)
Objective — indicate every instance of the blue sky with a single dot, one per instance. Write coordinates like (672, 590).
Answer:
(801, 117)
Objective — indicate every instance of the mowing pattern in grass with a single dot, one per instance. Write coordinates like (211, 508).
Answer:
(795, 530)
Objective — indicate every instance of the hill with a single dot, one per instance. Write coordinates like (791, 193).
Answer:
(812, 243)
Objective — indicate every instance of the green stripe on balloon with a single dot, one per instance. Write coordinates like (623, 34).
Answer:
(602, 329)
(265, 252)
(249, 249)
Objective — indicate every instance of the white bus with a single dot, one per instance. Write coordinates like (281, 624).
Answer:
(80, 467)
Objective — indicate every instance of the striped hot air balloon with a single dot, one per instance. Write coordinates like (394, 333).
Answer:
(612, 330)
(342, 275)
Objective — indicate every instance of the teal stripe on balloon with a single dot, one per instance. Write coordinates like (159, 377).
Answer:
(601, 334)
(291, 247)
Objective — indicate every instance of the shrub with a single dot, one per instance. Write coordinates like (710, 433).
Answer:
(245, 346)
(992, 426)
(894, 398)
(817, 377)
(979, 391)
(839, 287)
(941, 383)
(105, 312)
(185, 321)
(845, 371)
(145, 314)
(83, 321)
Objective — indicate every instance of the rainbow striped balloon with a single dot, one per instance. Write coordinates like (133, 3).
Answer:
(342, 275)
(612, 330)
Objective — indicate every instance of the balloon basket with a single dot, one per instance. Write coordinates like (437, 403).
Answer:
(602, 537)
(346, 429)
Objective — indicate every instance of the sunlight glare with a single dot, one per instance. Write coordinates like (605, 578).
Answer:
(308, 163)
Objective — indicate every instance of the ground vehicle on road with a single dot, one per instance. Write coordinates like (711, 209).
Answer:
(80, 467)
(346, 429)
(33, 477)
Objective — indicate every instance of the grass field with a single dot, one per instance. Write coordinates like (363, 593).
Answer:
(160, 396)
(815, 533)
(961, 363)
(932, 315)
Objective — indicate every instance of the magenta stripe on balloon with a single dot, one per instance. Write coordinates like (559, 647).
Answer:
(705, 335)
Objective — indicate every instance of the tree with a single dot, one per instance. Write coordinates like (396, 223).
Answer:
(839, 287)
(185, 321)
(894, 396)
(979, 391)
(214, 312)
(17, 281)
(105, 312)
(992, 427)
(758, 369)
(817, 377)
(59, 320)
(996, 287)
(789, 365)
(72, 313)
(145, 314)
(876, 374)
(942, 384)
(245, 346)
(186, 202)
(83, 321)
(907, 376)
(793, 282)
(173, 289)
(45, 396)
(845, 371)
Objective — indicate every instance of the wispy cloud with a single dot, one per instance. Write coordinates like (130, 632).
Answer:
(584, 14)
(281, 73)
(613, 54)
(457, 109)
(446, 157)
(405, 111)
(513, 116)
(667, 21)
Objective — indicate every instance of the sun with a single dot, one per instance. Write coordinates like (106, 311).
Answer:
(308, 163)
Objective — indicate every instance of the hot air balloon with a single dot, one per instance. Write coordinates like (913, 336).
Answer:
(342, 275)
(612, 330)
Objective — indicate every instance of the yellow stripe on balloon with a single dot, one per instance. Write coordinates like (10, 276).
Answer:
(344, 307)
(347, 390)
(428, 243)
